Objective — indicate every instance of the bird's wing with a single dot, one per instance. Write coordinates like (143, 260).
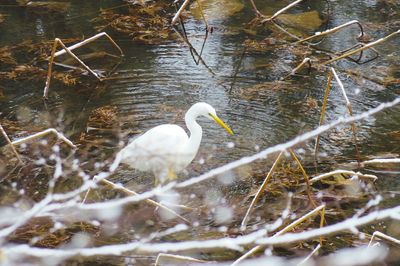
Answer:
(162, 140)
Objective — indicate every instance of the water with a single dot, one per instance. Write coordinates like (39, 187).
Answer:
(157, 83)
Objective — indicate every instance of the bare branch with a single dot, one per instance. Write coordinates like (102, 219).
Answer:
(42, 134)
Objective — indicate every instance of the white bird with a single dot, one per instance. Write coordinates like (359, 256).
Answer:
(166, 149)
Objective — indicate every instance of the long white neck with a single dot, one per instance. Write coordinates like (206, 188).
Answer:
(195, 132)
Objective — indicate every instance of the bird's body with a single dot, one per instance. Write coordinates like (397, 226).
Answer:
(166, 149)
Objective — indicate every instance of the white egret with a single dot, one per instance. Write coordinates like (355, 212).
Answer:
(166, 149)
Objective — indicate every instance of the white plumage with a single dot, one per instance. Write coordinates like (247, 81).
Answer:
(166, 149)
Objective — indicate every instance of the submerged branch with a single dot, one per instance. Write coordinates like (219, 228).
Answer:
(367, 46)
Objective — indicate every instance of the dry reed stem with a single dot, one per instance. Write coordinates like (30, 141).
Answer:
(281, 11)
(321, 224)
(281, 232)
(48, 79)
(307, 179)
(258, 13)
(323, 110)
(178, 14)
(260, 191)
(68, 50)
(150, 201)
(350, 109)
(49, 69)
(298, 67)
(300, 220)
(178, 258)
(42, 134)
(315, 250)
(10, 143)
(333, 30)
(89, 40)
(346, 172)
(381, 235)
(367, 46)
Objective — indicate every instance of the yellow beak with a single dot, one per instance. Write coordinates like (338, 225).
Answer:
(221, 123)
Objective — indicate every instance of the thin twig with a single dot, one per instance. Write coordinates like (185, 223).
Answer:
(276, 14)
(279, 27)
(10, 143)
(150, 201)
(342, 172)
(381, 161)
(381, 235)
(89, 40)
(185, 40)
(42, 134)
(57, 42)
(297, 68)
(333, 30)
(177, 258)
(349, 107)
(68, 50)
(315, 250)
(49, 70)
(306, 178)
(281, 232)
(322, 116)
(258, 13)
(260, 191)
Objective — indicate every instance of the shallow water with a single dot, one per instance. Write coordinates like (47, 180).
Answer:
(157, 83)
(154, 83)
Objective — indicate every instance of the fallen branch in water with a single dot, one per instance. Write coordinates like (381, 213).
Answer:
(68, 50)
(42, 134)
(364, 47)
(333, 30)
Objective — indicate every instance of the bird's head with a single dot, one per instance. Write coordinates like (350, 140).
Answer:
(204, 109)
